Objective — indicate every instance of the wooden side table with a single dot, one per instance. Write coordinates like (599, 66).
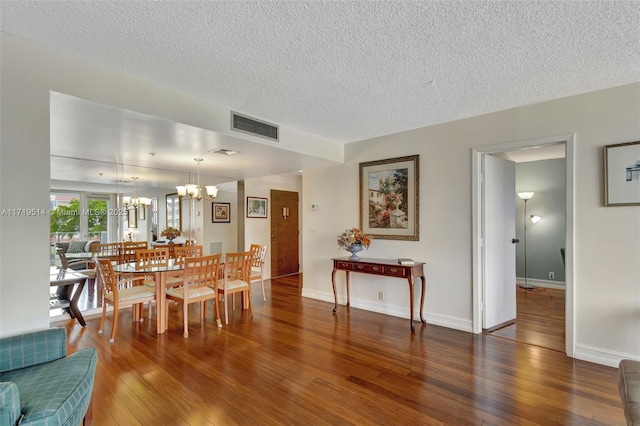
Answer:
(382, 267)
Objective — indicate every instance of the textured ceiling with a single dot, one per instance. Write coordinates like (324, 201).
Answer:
(350, 70)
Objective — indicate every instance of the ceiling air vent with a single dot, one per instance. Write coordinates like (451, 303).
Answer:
(249, 125)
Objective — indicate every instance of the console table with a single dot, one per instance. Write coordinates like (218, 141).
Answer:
(382, 267)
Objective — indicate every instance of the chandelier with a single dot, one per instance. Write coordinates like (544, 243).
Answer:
(194, 191)
(136, 202)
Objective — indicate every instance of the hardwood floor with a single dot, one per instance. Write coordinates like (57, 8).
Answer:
(540, 319)
(295, 363)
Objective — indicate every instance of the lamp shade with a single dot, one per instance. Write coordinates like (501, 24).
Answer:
(535, 219)
(526, 195)
(212, 190)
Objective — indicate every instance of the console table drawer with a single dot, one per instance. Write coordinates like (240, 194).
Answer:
(371, 269)
(347, 266)
(395, 271)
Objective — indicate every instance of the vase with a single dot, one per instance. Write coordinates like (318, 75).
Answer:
(354, 248)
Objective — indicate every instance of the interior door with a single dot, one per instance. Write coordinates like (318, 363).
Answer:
(284, 233)
(499, 250)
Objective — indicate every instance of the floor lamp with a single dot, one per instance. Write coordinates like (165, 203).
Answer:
(525, 196)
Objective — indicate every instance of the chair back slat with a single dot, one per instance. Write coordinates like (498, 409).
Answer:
(237, 266)
(259, 251)
(150, 258)
(108, 277)
(129, 248)
(180, 253)
(201, 271)
(106, 249)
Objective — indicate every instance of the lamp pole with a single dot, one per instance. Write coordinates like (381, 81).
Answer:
(525, 196)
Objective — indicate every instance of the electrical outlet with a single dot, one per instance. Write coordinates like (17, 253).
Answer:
(552, 275)
(380, 295)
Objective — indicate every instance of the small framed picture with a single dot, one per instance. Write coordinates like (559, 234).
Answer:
(256, 207)
(622, 174)
(220, 212)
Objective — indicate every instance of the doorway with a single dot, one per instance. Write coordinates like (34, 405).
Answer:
(285, 252)
(482, 258)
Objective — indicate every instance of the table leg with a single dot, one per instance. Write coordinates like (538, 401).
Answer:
(335, 295)
(161, 303)
(73, 303)
(348, 291)
(410, 279)
(424, 289)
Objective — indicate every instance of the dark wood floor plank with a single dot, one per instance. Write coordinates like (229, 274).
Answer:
(295, 363)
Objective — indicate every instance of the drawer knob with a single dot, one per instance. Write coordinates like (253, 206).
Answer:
(394, 269)
(375, 268)
(360, 266)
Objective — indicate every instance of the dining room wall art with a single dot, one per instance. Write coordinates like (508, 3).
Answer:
(220, 212)
(622, 174)
(257, 207)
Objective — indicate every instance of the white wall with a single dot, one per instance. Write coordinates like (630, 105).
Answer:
(258, 230)
(607, 242)
(28, 73)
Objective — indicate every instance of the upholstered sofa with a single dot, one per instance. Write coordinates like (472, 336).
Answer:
(76, 246)
(40, 385)
(629, 386)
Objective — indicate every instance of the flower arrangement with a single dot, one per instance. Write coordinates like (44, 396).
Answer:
(353, 236)
(171, 233)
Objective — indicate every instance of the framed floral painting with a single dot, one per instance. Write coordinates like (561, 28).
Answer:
(389, 198)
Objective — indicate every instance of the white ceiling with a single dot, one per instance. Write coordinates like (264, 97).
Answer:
(348, 70)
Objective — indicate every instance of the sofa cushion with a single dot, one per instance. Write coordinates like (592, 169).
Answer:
(56, 392)
(76, 246)
(9, 403)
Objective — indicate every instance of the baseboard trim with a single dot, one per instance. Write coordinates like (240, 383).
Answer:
(601, 356)
(560, 285)
(396, 311)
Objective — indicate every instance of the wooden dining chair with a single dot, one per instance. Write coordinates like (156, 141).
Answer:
(257, 265)
(181, 253)
(151, 258)
(121, 292)
(129, 249)
(199, 284)
(106, 249)
(236, 278)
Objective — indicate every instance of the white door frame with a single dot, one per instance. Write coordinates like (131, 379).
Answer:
(477, 237)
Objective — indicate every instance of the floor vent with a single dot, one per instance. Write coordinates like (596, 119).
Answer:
(249, 125)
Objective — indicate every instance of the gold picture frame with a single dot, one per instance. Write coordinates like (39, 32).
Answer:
(622, 174)
(389, 198)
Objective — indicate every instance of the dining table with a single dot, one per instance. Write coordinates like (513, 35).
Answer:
(66, 297)
(160, 276)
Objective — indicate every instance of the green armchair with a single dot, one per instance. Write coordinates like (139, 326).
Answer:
(40, 384)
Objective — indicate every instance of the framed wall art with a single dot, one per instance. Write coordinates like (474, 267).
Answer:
(622, 174)
(220, 212)
(389, 198)
(256, 207)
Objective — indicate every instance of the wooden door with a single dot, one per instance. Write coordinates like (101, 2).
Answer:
(499, 245)
(284, 233)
